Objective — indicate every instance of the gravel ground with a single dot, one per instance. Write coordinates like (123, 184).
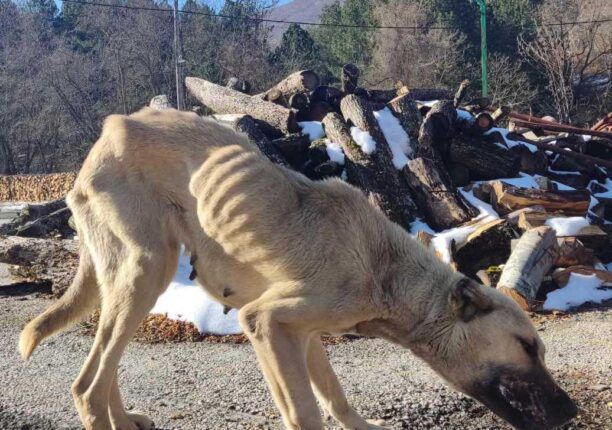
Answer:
(218, 386)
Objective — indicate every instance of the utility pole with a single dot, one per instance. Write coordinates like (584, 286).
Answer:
(178, 59)
(483, 46)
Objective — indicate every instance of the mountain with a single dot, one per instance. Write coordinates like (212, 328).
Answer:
(296, 10)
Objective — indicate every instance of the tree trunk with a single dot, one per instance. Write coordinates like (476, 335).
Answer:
(379, 181)
(49, 260)
(507, 198)
(245, 124)
(484, 160)
(436, 130)
(238, 84)
(405, 109)
(426, 94)
(359, 112)
(442, 206)
(349, 78)
(303, 82)
(530, 261)
(227, 101)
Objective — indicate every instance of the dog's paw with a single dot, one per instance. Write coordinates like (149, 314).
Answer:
(133, 421)
(377, 425)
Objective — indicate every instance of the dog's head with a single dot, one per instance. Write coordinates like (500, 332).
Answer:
(487, 347)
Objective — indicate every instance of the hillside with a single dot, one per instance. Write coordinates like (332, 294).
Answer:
(297, 10)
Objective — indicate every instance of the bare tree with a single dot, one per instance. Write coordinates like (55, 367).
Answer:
(570, 55)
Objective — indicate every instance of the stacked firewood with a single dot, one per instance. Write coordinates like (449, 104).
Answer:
(443, 166)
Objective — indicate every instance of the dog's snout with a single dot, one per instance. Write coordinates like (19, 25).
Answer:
(565, 409)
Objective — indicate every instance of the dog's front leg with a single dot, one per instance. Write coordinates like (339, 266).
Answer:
(330, 392)
(274, 329)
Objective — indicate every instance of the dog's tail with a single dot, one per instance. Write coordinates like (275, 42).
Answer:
(79, 299)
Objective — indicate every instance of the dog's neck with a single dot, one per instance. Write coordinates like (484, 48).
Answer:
(413, 296)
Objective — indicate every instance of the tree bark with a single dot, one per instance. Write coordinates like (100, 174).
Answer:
(330, 95)
(49, 260)
(238, 84)
(436, 130)
(442, 206)
(484, 160)
(426, 94)
(531, 259)
(160, 102)
(379, 181)
(302, 82)
(294, 148)
(245, 124)
(227, 101)
(507, 198)
(359, 112)
(405, 109)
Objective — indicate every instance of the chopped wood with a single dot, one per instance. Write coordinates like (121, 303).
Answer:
(488, 245)
(529, 262)
(41, 260)
(36, 188)
(160, 102)
(425, 94)
(304, 81)
(227, 101)
(572, 252)
(460, 94)
(405, 109)
(531, 162)
(561, 277)
(483, 122)
(561, 128)
(484, 160)
(245, 124)
(424, 238)
(507, 198)
(294, 148)
(436, 129)
(372, 173)
(329, 95)
(441, 205)
(500, 114)
(349, 78)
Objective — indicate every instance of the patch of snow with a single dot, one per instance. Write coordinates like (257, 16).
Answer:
(184, 300)
(334, 152)
(420, 225)
(569, 226)
(344, 175)
(314, 129)
(486, 210)
(580, 289)
(524, 181)
(363, 140)
(606, 194)
(511, 142)
(428, 103)
(564, 172)
(465, 115)
(396, 137)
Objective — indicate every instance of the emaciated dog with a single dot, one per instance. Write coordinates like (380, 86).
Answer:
(298, 258)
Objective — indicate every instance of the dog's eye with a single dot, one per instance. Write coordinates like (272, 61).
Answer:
(531, 348)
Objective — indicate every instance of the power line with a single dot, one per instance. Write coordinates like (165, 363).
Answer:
(318, 24)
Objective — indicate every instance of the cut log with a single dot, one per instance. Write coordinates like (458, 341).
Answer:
(561, 277)
(160, 102)
(227, 101)
(531, 162)
(329, 95)
(488, 245)
(507, 198)
(572, 252)
(49, 260)
(483, 122)
(460, 94)
(484, 160)
(440, 204)
(405, 109)
(360, 114)
(294, 148)
(304, 82)
(40, 220)
(500, 114)
(245, 124)
(379, 181)
(436, 129)
(349, 78)
(238, 84)
(529, 262)
(425, 94)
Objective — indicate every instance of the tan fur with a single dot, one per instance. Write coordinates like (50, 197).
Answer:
(298, 258)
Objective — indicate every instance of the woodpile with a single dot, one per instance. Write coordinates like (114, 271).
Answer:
(512, 207)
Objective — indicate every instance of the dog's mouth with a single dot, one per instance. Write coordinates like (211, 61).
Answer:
(527, 402)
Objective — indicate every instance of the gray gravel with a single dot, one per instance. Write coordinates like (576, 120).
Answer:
(218, 386)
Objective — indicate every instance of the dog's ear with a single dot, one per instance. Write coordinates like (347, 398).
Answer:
(467, 299)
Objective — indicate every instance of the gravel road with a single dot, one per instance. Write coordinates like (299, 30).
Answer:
(218, 386)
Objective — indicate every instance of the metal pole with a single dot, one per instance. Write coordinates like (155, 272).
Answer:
(177, 62)
(483, 47)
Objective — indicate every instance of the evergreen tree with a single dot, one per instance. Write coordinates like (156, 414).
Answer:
(298, 51)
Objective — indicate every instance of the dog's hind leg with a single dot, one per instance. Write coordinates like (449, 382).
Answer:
(328, 390)
(120, 418)
(127, 297)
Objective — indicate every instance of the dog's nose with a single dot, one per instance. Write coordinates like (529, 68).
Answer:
(564, 409)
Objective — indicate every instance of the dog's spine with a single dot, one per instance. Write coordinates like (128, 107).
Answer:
(78, 301)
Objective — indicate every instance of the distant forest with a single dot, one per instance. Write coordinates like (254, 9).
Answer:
(62, 70)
